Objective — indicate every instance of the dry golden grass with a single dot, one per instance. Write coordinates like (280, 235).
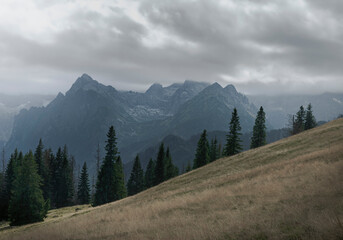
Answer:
(291, 189)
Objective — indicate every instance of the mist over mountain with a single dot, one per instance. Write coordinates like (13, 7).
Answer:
(81, 117)
(10, 105)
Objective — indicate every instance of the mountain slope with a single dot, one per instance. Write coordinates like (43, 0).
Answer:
(290, 189)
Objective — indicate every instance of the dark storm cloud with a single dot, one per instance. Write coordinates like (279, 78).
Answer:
(285, 46)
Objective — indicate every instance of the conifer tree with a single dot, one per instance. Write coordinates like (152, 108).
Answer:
(310, 121)
(106, 185)
(83, 190)
(159, 167)
(66, 186)
(214, 150)
(136, 181)
(258, 138)
(299, 123)
(5, 195)
(120, 188)
(48, 157)
(43, 170)
(169, 167)
(149, 176)
(27, 203)
(233, 142)
(202, 152)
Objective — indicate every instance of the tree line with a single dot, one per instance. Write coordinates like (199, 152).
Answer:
(303, 120)
(206, 153)
(36, 182)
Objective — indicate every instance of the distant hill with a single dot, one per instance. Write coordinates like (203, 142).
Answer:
(82, 116)
(290, 189)
(326, 107)
(183, 151)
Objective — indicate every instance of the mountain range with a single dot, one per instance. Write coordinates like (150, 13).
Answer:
(175, 114)
(81, 118)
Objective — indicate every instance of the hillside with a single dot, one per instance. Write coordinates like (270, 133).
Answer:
(290, 189)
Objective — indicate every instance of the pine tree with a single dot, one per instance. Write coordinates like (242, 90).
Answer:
(202, 153)
(149, 176)
(214, 151)
(169, 167)
(83, 190)
(299, 122)
(233, 142)
(55, 166)
(120, 189)
(310, 121)
(159, 167)
(27, 203)
(258, 138)
(43, 171)
(136, 181)
(106, 185)
(66, 186)
(5, 195)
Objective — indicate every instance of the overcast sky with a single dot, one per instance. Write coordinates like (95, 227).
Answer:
(262, 47)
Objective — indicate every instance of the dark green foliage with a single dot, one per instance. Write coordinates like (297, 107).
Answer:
(160, 167)
(110, 185)
(233, 142)
(9, 177)
(43, 170)
(299, 122)
(62, 179)
(27, 203)
(150, 174)
(105, 186)
(119, 180)
(310, 121)
(258, 138)
(202, 153)
(170, 170)
(136, 181)
(214, 150)
(83, 190)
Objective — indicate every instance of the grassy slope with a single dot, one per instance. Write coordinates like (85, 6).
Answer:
(291, 189)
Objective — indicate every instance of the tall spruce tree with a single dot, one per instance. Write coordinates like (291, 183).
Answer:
(159, 167)
(258, 138)
(43, 170)
(202, 152)
(310, 121)
(214, 150)
(5, 195)
(27, 203)
(65, 186)
(119, 180)
(299, 122)
(149, 176)
(136, 181)
(233, 141)
(106, 185)
(83, 190)
(169, 166)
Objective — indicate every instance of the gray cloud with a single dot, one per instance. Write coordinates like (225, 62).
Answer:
(261, 47)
